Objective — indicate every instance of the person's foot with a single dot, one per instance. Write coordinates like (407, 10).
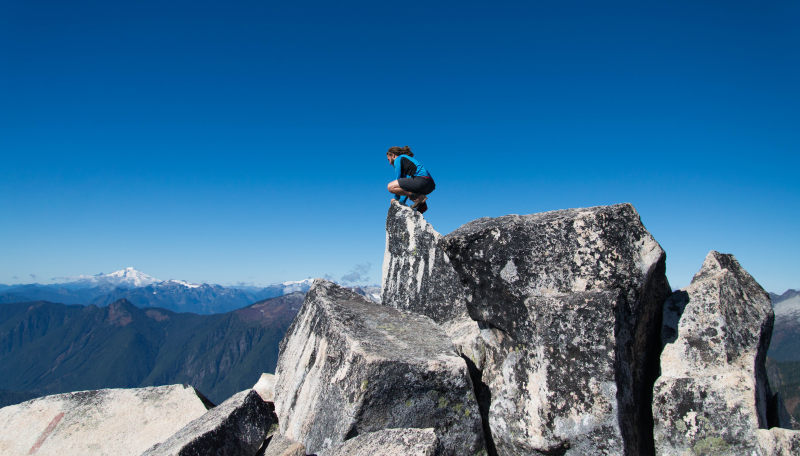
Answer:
(422, 207)
(420, 199)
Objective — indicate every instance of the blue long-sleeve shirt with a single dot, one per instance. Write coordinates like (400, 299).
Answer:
(405, 166)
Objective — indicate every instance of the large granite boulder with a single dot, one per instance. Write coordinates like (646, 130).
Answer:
(348, 366)
(389, 442)
(712, 395)
(237, 427)
(101, 422)
(569, 305)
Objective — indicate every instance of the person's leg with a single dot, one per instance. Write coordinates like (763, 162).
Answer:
(394, 187)
(423, 186)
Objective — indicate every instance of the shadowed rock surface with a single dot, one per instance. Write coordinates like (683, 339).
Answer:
(101, 422)
(348, 367)
(389, 442)
(569, 303)
(711, 397)
(237, 427)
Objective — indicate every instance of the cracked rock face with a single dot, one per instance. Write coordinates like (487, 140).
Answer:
(711, 396)
(348, 367)
(102, 422)
(238, 426)
(569, 303)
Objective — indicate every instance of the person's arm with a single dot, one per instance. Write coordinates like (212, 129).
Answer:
(398, 168)
(398, 171)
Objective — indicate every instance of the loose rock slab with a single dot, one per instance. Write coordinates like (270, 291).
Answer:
(282, 446)
(570, 306)
(237, 427)
(389, 442)
(711, 396)
(101, 422)
(348, 366)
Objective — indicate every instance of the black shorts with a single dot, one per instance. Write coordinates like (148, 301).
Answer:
(418, 184)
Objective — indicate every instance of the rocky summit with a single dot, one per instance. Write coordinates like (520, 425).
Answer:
(712, 396)
(543, 334)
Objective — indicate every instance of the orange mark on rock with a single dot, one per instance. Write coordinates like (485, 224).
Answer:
(46, 433)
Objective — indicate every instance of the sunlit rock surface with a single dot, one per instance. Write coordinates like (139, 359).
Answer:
(389, 442)
(101, 422)
(265, 387)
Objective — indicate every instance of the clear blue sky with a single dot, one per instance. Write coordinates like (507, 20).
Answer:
(244, 141)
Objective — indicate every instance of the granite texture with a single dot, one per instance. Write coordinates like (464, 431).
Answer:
(569, 308)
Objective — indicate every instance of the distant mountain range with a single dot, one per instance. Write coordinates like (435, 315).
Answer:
(48, 348)
(783, 357)
(143, 290)
(129, 329)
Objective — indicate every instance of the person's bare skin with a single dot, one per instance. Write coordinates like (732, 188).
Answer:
(394, 187)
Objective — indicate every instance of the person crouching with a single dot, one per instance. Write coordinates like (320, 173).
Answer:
(413, 181)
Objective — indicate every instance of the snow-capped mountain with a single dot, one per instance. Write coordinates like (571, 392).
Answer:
(786, 305)
(183, 283)
(125, 278)
(296, 285)
(144, 290)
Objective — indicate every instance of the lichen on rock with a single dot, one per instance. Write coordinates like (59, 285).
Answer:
(569, 305)
(711, 397)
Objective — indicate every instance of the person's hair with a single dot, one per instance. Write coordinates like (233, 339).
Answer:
(396, 150)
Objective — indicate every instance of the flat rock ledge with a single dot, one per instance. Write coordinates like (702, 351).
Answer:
(712, 395)
(237, 427)
(100, 422)
(348, 367)
(389, 442)
(569, 308)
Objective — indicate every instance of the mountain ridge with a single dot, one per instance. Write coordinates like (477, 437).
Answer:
(49, 348)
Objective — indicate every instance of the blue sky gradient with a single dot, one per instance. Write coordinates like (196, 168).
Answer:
(244, 141)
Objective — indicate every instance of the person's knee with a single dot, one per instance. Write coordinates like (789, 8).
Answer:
(393, 186)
